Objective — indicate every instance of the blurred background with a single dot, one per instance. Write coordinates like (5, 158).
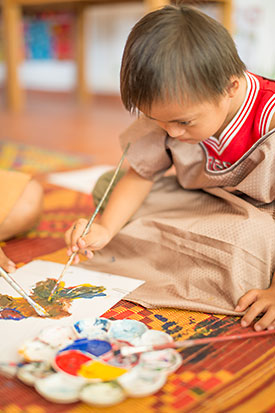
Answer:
(63, 89)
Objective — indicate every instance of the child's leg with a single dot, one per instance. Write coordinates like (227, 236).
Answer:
(24, 213)
(101, 186)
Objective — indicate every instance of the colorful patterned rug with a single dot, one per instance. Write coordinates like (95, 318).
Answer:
(32, 159)
(224, 377)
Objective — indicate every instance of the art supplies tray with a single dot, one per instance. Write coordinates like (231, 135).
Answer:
(83, 362)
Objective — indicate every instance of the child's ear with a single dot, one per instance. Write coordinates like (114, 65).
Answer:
(233, 87)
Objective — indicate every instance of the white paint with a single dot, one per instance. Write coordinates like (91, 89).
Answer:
(58, 388)
(102, 394)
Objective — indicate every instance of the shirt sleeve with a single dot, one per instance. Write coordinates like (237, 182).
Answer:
(147, 153)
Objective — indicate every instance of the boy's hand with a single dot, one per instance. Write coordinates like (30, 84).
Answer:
(6, 263)
(258, 301)
(96, 239)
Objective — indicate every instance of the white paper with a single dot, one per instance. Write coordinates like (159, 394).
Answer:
(82, 180)
(15, 332)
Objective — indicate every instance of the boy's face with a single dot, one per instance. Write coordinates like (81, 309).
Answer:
(192, 123)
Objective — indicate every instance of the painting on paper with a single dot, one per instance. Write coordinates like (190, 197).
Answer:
(81, 294)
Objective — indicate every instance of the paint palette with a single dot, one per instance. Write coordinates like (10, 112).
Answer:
(83, 362)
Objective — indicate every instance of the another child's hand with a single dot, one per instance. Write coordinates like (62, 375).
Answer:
(258, 301)
(6, 263)
(96, 239)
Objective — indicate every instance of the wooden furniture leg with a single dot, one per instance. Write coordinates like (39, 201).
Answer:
(81, 85)
(12, 46)
(227, 15)
(151, 5)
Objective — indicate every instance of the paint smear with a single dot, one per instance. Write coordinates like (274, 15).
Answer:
(17, 308)
(97, 370)
(95, 347)
(71, 361)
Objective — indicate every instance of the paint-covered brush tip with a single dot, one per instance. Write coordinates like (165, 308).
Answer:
(51, 296)
(41, 311)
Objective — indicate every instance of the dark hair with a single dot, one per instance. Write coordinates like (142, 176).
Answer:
(177, 52)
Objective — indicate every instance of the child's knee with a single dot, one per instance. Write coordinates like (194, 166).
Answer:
(25, 212)
(31, 201)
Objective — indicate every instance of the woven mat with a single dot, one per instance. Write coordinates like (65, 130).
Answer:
(230, 377)
(32, 159)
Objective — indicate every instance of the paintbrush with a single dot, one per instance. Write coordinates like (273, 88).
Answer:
(40, 310)
(91, 220)
(129, 350)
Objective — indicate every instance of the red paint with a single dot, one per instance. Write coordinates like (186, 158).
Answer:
(70, 361)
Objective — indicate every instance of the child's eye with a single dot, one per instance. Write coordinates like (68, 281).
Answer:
(185, 123)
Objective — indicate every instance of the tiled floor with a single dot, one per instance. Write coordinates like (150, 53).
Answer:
(58, 122)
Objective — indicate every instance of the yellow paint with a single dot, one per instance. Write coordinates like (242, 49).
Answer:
(97, 370)
(61, 285)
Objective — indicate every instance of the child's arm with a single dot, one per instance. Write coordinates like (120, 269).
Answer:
(124, 201)
(259, 301)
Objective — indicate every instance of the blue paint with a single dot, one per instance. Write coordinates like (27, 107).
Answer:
(11, 314)
(95, 347)
(78, 326)
(102, 323)
(86, 326)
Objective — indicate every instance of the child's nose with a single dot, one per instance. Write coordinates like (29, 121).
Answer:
(174, 130)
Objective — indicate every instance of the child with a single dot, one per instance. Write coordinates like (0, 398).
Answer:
(203, 239)
(21, 205)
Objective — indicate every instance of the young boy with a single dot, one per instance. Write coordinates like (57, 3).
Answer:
(205, 239)
(21, 205)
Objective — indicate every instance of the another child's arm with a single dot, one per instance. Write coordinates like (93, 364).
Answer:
(257, 302)
(6, 263)
(126, 198)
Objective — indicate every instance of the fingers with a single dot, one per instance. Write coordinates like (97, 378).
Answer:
(78, 229)
(260, 302)
(246, 300)
(272, 326)
(256, 309)
(97, 238)
(72, 236)
(267, 321)
(6, 263)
